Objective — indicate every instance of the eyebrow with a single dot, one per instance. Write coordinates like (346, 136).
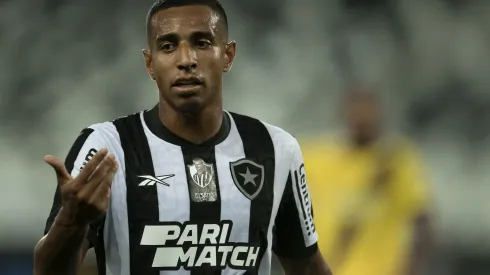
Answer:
(175, 37)
(167, 37)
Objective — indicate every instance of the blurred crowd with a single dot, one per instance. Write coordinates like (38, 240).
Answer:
(389, 99)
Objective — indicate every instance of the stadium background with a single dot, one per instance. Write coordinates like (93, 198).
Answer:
(67, 64)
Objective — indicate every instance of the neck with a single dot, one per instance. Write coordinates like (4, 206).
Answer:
(195, 128)
(365, 141)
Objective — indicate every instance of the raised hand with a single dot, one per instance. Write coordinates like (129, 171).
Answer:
(85, 198)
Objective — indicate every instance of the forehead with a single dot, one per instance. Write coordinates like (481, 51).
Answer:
(185, 20)
(362, 98)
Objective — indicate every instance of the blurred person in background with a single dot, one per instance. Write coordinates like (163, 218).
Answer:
(370, 195)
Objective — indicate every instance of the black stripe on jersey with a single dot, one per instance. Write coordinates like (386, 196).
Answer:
(142, 202)
(288, 220)
(258, 147)
(202, 212)
(300, 193)
(302, 190)
(75, 149)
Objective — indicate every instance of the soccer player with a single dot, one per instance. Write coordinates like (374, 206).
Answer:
(185, 187)
(370, 195)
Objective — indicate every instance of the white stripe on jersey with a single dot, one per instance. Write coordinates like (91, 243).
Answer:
(172, 206)
(234, 206)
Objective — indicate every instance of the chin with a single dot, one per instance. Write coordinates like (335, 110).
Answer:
(191, 106)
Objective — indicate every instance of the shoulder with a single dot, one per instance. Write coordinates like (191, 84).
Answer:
(401, 147)
(109, 131)
(323, 143)
(321, 148)
(106, 128)
(283, 140)
(104, 135)
(285, 144)
(104, 132)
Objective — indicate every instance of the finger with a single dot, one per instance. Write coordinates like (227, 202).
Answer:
(109, 161)
(105, 166)
(103, 191)
(95, 180)
(92, 165)
(62, 174)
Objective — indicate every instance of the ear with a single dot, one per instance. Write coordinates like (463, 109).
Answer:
(230, 53)
(148, 59)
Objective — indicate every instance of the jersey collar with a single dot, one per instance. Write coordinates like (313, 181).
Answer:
(155, 125)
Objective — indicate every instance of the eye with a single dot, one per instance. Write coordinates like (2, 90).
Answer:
(167, 47)
(203, 44)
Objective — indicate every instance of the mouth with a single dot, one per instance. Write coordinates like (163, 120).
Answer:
(187, 87)
(189, 81)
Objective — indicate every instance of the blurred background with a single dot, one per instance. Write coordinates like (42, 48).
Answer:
(68, 64)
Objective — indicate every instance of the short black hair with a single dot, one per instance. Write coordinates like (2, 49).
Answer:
(159, 5)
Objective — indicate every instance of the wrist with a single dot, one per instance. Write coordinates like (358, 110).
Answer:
(68, 219)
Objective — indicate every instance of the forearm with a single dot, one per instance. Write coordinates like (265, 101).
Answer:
(314, 265)
(319, 268)
(60, 251)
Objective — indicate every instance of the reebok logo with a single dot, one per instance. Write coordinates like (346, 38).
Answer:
(150, 180)
(192, 246)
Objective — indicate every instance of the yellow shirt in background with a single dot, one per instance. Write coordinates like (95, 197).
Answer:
(339, 178)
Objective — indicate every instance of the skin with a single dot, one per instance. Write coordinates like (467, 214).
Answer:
(84, 200)
(189, 41)
(363, 115)
(184, 42)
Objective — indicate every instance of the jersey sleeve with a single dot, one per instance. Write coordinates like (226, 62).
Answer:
(412, 191)
(83, 149)
(294, 232)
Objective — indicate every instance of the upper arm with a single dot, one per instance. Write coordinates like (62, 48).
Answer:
(295, 237)
(83, 149)
(412, 192)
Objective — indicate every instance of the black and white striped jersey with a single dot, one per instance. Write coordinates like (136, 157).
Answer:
(221, 207)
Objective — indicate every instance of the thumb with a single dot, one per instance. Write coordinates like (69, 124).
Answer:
(59, 167)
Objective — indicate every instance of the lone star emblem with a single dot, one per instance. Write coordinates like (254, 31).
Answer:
(248, 177)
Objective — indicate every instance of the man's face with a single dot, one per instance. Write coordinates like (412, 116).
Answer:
(363, 117)
(188, 55)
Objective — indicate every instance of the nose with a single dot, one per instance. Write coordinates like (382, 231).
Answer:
(188, 59)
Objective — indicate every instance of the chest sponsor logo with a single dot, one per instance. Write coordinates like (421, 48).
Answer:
(248, 177)
(202, 179)
(195, 246)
